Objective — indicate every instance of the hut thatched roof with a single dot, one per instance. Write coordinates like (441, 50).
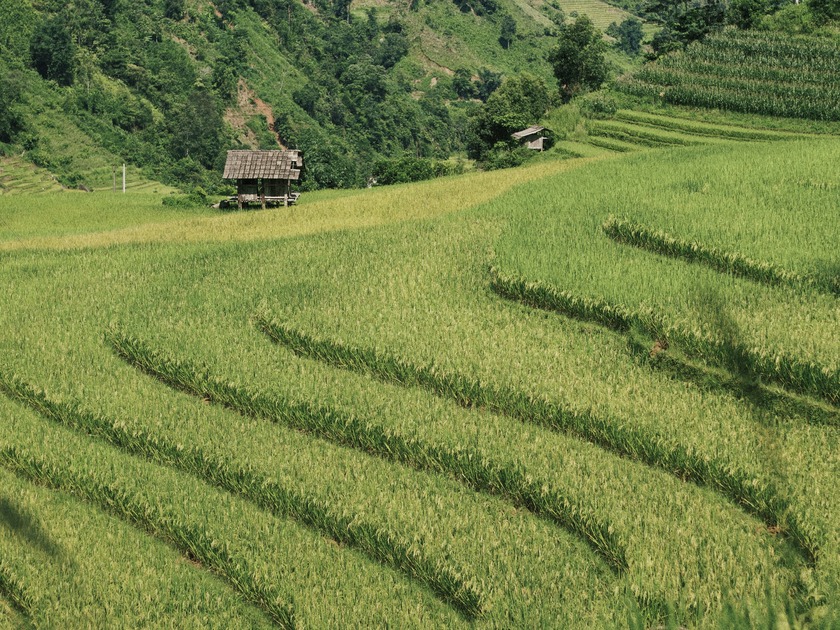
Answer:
(263, 165)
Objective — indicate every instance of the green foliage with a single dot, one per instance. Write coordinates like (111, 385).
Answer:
(53, 51)
(16, 27)
(628, 35)
(520, 102)
(198, 130)
(746, 14)
(578, 60)
(794, 19)
(196, 198)
(508, 30)
(13, 119)
(409, 169)
(825, 10)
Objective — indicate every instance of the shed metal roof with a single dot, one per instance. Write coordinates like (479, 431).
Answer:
(527, 132)
(263, 165)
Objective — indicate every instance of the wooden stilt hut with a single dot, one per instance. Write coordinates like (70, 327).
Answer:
(264, 177)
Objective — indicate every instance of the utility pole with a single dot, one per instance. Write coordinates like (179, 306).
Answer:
(115, 179)
(123, 178)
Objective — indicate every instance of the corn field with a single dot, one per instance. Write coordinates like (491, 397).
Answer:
(760, 73)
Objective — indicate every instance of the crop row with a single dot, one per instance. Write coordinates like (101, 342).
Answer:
(684, 126)
(464, 465)
(806, 378)
(659, 242)
(822, 94)
(749, 71)
(13, 590)
(781, 402)
(380, 545)
(191, 541)
(635, 136)
(606, 143)
(734, 98)
(771, 49)
(759, 498)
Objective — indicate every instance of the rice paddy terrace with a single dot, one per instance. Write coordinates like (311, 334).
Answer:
(602, 391)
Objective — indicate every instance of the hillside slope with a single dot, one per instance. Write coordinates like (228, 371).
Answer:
(168, 88)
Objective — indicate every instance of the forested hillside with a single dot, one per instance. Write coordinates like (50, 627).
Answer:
(169, 85)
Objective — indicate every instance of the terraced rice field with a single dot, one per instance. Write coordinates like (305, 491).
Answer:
(747, 71)
(630, 130)
(523, 406)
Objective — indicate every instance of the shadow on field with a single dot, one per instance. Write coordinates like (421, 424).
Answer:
(770, 405)
(24, 525)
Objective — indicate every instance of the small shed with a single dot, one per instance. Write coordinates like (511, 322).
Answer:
(532, 137)
(264, 177)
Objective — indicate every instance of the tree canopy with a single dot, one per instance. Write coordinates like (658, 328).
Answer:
(578, 59)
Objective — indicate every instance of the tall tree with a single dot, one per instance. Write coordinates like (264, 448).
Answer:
(508, 31)
(54, 51)
(578, 59)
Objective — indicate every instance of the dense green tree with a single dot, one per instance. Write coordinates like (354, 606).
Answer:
(12, 117)
(394, 46)
(825, 10)
(462, 84)
(746, 14)
(198, 130)
(16, 26)
(488, 82)
(508, 31)
(628, 35)
(684, 22)
(174, 9)
(53, 51)
(578, 59)
(520, 102)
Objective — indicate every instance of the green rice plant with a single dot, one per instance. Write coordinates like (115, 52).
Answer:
(779, 403)
(696, 128)
(660, 242)
(191, 541)
(463, 465)
(628, 133)
(611, 144)
(760, 498)
(351, 530)
(804, 377)
(12, 590)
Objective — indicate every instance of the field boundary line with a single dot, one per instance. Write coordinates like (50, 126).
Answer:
(660, 242)
(382, 546)
(189, 540)
(762, 500)
(463, 465)
(802, 377)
